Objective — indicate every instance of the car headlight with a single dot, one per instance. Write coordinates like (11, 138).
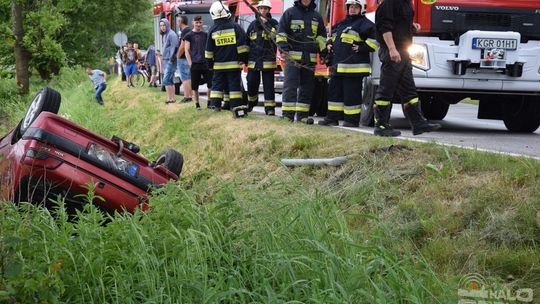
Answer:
(419, 56)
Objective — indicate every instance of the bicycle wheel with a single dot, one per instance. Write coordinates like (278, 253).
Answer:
(138, 79)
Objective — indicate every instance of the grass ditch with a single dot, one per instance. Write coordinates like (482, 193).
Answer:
(400, 222)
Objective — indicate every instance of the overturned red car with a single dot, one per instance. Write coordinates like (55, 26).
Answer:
(47, 156)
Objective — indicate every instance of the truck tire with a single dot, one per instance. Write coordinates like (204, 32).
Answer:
(522, 114)
(368, 98)
(172, 160)
(434, 106)
(319, 101)
(46, 100)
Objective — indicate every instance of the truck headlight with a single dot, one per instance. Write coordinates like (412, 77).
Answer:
(419, 56)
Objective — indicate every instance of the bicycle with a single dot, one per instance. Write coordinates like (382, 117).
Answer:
(140, 78)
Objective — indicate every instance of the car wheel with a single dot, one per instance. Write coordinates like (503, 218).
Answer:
(46, 100)
(172, 160)
(368, 98)
(522, 114)
(434, 106)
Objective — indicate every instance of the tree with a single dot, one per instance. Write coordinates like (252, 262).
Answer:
(48, 34)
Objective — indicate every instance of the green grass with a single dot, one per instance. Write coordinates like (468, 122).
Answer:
(398, 225)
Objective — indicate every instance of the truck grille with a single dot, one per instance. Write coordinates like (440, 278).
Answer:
(473, 20)
(449, 24)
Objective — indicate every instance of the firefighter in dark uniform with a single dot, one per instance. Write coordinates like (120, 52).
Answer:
(262, 57)
(301, 35)
(395, 28)
(226, 50)
(351, 44)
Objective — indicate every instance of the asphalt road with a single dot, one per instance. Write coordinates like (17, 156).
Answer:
(461, 128)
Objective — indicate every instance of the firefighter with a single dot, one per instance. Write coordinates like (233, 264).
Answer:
(301, 35)
(351, 44)
(262, 57)
(395, 28)
(226, 50)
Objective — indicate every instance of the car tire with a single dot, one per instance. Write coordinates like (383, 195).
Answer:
(522, 114)
(434, 106)
(172, 160)
(368, 98)
(46, 100)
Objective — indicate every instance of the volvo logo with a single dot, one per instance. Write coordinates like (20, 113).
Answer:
(446, 8)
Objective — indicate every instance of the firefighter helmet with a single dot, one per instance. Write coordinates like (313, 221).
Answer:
(362, 4)
(266, 3)
(219, 10)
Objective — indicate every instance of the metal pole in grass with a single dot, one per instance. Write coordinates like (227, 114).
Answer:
(336, 161)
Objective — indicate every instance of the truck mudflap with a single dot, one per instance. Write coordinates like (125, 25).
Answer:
(489, 50)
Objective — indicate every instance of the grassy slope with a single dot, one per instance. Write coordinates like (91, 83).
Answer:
(393, 224)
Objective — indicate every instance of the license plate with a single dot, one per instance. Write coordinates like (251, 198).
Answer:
(494, 43)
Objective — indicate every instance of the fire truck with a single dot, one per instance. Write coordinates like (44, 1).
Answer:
(487, 50)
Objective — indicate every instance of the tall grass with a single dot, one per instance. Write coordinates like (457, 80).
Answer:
(398, 223)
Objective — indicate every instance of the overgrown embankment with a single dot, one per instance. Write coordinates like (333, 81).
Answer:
(400, 222)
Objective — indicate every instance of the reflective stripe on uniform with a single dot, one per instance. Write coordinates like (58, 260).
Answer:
(413, 101)
(216, 94)
(251, 64)
(302, 107)
(208, 55)
(269, 103)
(352, 110)
(281, 37)
(227, 32)
(242, 49)
(235, 94)
(224, 37)
(350, 37)
(226, 97)
(269, 65)
(227, 65)
(295, 55)
(312, 57)
(382, 102)
(335, 106)
(314, 27)
(353, 68)
(253, 98)
(288, 106)
(297, 25)
(372, 43)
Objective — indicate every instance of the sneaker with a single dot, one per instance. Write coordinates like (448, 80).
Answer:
(327, 122)
(349, 124)
(186, 100)
(386, 131)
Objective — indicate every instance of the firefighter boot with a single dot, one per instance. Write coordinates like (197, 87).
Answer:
(240, 111)
(418, 123)
(382, 116)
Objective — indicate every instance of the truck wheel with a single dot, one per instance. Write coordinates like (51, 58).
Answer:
(522, 114)
(434, 107)
(368, 98)
(172, 160)
(319, 101)
(46, 100)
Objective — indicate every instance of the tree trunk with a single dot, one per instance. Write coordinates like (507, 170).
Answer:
(22, 55)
